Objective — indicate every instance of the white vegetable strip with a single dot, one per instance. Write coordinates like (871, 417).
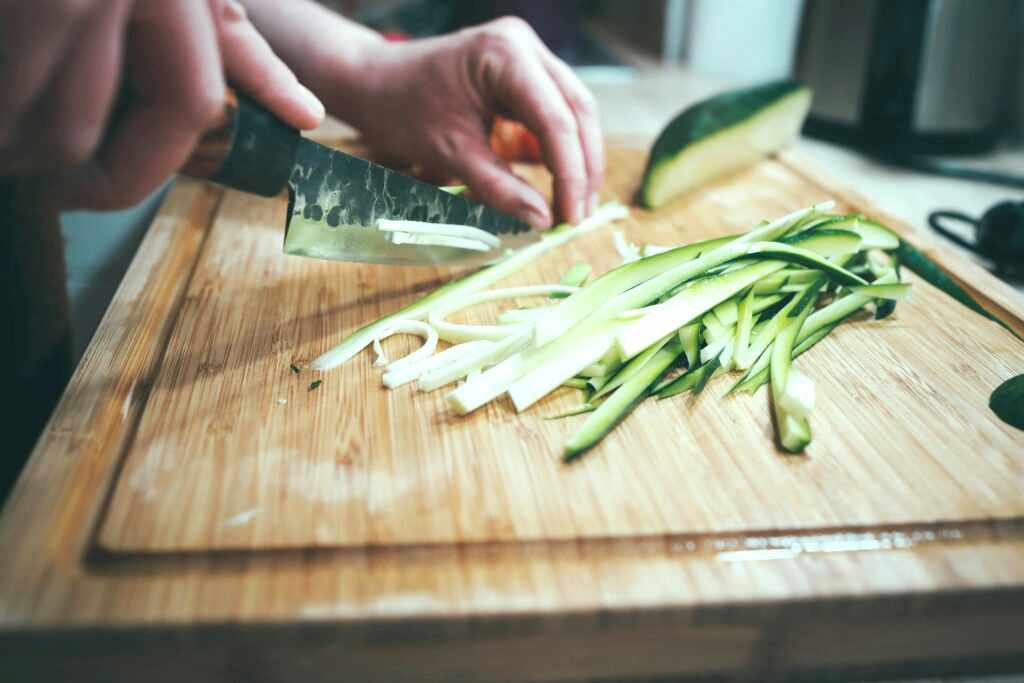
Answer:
(523, 315)
(628, 251)
(471, 361)
(585, 302)
(456, 333)
(424, 330)
(413, 371)
(453, 291)
(686, 306)
(798, 396)
(438, 241)
(460, 332)
(467, 232)
(557, 368)
(653, 250)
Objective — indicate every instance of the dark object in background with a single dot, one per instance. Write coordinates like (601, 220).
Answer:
(909, 77)
(559, 23)
(999, 234)
(35, 342)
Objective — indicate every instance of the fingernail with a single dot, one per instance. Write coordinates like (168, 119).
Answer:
(593, 203)
(538, 219)
(312, 102)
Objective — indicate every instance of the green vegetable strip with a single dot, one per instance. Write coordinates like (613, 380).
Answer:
(614, 282)
(549, 364)
(708, 292)
(706, 371)
(578, 410)
(752, 384)
(827, 316)
(631, 368)
(744, 324)
(726, 312)
(468, 284)
(689, 337)
(688, 305)
(933, 273)
(794, 431)
(574, 277)
(658, 277)
(899, 291)
(621, 402)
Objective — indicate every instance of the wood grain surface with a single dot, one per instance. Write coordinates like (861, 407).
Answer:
(234, 451)
(176, 522)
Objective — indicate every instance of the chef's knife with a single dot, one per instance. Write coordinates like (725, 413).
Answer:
(336, 199)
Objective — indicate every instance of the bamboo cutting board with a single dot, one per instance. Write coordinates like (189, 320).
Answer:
(163, 528)
(233, 451)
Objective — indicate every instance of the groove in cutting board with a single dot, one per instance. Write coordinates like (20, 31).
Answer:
(903, 434)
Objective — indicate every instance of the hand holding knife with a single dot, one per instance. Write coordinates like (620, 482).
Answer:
(336, 199)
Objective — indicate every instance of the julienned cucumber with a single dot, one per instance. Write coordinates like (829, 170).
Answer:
(720, 135)
(737, 302)
(621, 402)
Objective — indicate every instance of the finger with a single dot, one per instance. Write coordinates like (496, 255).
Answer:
(493, 182)
(514, 79)
(174, 71)
(69, 119)
(588, 120)
(30, 52)
(252, 66)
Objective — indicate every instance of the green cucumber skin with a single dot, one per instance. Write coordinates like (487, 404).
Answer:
(931, 272)
(710, 117)
(621, 402)
(1007, 401)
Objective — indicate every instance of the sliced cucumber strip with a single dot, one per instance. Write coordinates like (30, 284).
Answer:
(621, 402)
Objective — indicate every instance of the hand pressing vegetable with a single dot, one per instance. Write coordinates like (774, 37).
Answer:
(431, 102)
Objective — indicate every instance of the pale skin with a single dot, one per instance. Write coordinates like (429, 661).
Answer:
(105, 99)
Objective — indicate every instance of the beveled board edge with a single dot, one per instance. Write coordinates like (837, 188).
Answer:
(47, 524)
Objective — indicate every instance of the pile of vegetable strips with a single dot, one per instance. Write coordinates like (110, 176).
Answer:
(663, 323)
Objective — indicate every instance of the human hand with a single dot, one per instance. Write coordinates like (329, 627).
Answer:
(431, 102)
(64, 64)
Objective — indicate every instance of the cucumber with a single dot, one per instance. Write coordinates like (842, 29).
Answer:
(720, 135)
(621, 402)
(792, 428)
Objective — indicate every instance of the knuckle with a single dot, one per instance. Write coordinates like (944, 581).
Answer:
(72, 9)
(204, 106)
(574, 181)
(583, 104)
(512, 24)
(504, 34)
(561, 123)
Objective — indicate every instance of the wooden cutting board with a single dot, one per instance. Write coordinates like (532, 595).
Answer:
(234, 451)
(178, 521)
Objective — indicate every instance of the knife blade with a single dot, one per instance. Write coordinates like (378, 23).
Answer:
(335, 199)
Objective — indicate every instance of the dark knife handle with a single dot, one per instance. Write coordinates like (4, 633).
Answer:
(247, 148)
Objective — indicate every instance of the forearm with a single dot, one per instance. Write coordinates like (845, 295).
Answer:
(329, 54)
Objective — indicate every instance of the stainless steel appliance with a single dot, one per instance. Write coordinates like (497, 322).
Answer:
(911, 76)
